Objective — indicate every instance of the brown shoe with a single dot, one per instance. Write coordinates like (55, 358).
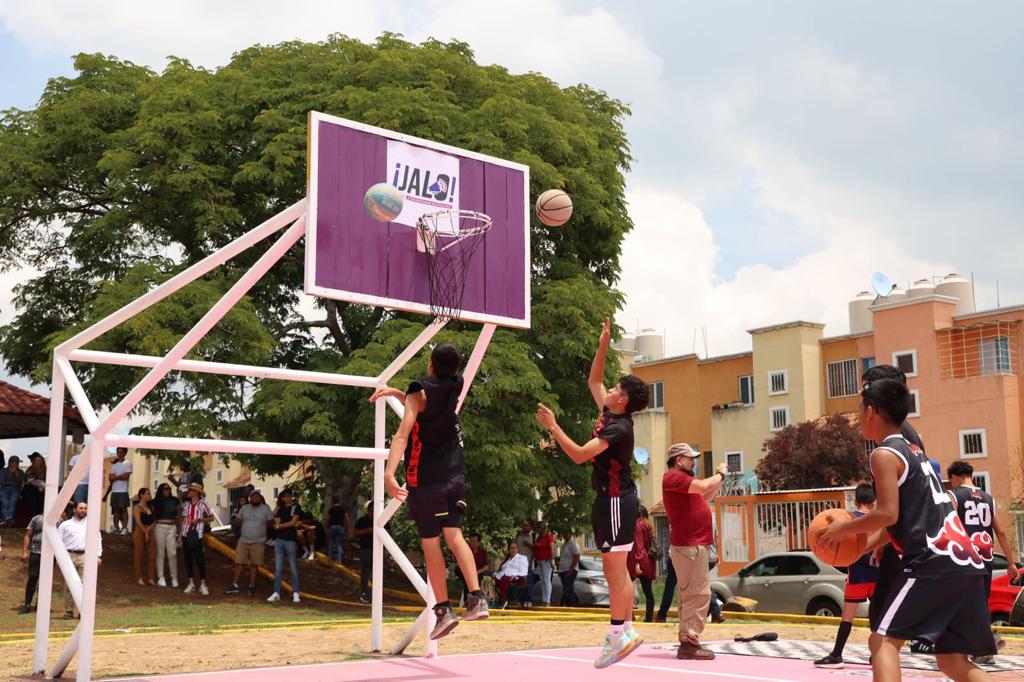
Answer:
(694, 652)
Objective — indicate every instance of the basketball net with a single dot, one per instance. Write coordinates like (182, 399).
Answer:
(449, 239)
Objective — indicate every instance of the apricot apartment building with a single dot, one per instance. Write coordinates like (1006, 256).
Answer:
(963, 369)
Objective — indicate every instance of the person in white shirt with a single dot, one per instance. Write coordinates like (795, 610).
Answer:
(512, 572)
(120, 473)
(72, 535)
(82, 491)
(568, 562)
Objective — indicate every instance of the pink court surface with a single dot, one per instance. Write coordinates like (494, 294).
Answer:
(650, 663)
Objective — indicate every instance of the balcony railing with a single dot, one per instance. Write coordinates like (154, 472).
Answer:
(979, 350)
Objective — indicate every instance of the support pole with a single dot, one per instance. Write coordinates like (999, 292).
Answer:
(54, 457)
(403, 359)
(87, 605)
(66, 654)
(475, 359)
(377, 601)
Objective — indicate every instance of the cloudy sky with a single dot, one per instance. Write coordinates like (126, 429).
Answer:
(784, 150)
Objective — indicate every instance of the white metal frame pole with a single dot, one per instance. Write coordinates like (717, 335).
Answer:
(482, 342)
(54, 457)
(87, 604)
(377, 601)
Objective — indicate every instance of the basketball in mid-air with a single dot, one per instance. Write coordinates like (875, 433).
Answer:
(383, 202)
(554, 207)
(847, 551)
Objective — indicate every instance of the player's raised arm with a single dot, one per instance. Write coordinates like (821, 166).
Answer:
(596, 379)
(577, 453)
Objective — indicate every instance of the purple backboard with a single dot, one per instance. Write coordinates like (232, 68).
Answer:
(352, 257)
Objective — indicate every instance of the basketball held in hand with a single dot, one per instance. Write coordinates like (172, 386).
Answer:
(554, 208)
(843, 554)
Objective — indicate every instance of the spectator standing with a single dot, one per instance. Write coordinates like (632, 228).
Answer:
(31, 552)
(252, 540)
(166, 516)
(287, 518)
(144, 539)
(543, 553)
(670, 576)
(12, 478)
(81, 493)
(364, 533)
(689, 515)
(337, 528)
(187, 477)
(513, 571)
(524, 545)
(120, 473)
(640, 564)
(35, 483)
(72, 535)
(196, 517)
(568, 568)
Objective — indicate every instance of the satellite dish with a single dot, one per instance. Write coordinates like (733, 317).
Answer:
(641, 456)
(882, 285)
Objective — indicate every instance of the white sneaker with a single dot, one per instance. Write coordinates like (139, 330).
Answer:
(161, 582)
(311, 557)
(190, 588)
(274, 597)
(295, 597)
(174, 582)
(204, 590)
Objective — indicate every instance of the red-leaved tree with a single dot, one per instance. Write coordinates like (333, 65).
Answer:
(814, 454)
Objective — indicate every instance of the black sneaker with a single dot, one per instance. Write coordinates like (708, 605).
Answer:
(983, 660)
(921, 646)
(829, 661)
(365, 598)
(25, 608)
(233, 589)
(251, 590)
(476, 608)
(446, 621)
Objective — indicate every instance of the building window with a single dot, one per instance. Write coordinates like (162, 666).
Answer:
(906, 361)
(867, 363)
(747, 389)
(656, 391)
(277, 491)
(734, 460)
(778, 382)
(219, 500)
(156, 466)
(843, 379)
(982, 481)
(973, 443)
(779, 418)
(915, 403)
(995, 355)
(220, 475)
(869, 446)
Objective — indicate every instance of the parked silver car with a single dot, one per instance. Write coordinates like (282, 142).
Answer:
(788, 582)
(591, 587)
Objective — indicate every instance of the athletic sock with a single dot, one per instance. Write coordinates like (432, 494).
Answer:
(617, 627)
(477, 593)
(841, 637)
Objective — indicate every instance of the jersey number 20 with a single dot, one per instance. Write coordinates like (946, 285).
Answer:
(977, 514)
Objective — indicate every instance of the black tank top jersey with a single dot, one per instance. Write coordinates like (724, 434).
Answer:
(976, 510)
(434, 453)
(928, 533)
(611, 475)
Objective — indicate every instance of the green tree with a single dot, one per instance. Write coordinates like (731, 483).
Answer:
(819, 453)
(121, 177)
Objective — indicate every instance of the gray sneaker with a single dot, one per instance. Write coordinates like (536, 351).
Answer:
(446, 621)
(476, 608)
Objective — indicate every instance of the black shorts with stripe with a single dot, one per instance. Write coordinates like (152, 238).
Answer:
(433, 507)
(950, 612)
(614, 521)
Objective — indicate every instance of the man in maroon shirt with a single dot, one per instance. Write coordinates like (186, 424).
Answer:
(690, 534)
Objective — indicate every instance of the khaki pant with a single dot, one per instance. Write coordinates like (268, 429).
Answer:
(166, 546)
(78, 560)
(692, 574)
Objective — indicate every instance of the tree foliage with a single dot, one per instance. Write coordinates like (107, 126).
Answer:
(122, 177)
(814, 454)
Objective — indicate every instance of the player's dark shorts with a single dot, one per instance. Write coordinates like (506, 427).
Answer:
(950, 612)
(857, 593)
(434, 507)
(119, 501)
(889, 570)
(614, 521)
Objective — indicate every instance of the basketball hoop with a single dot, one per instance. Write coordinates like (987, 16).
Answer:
(449, 239)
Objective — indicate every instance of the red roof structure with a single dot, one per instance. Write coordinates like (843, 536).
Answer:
(24, 414)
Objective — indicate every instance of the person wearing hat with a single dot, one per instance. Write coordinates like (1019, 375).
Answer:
(35, 483)
(12, 478)
(196, 517)
(686, 501)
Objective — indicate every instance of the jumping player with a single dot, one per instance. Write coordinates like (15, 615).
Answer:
(860, 583)
(977, 511)
(615, 510)
(940, 594)
(430, 439)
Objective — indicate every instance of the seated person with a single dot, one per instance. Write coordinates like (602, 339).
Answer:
(481, 561)
(306, 534)
(513, 571)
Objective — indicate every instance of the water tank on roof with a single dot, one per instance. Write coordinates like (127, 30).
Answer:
(861, 319)
(921, 288)
(627, 343)
(897, 294)
(957, 287)
(650, 344)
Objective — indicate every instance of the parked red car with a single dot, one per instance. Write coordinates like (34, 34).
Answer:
(1006, 603)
